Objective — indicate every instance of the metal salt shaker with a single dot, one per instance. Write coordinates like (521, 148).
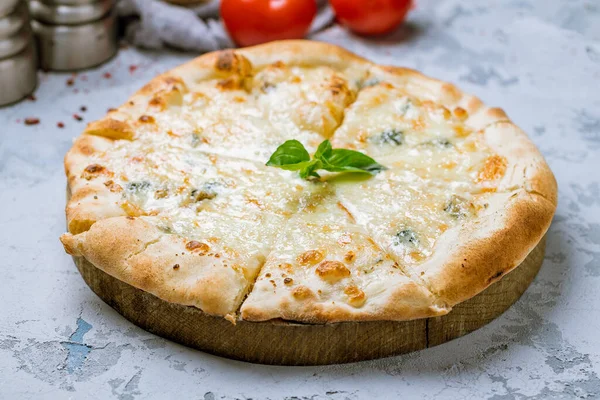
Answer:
(18, 58)
(74, 34)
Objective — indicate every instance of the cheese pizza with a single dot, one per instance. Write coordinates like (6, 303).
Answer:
(171, 193)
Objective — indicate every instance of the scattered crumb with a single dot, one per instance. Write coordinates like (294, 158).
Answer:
(132, 68)
(83, 108)
(77, 117)
(32, 121)
(60, 125)
(70, 82)
(107, 75)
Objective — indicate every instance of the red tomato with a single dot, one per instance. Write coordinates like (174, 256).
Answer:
(251, 22)
(371, 17)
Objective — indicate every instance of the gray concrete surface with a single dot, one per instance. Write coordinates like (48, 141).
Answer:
(539, 60)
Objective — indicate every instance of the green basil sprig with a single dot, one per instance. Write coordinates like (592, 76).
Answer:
(292, 156)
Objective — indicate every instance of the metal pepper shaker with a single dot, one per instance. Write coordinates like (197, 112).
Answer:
(18, 59)
(74, 34)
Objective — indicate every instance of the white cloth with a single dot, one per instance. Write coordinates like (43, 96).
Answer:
(195, 29)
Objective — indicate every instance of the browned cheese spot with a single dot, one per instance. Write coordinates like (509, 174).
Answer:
(111, 128)
(226, 61)
(132, 210)
(199, 247)
(356, 297)
(447, 113)
(461, 113)
(302, 293)
(310, 257)
(235, 66)
(92, 171)
(147, 119)
(349, 256)
(338, 85)
(494, 168)
(228, 84)
(161, 194)
(286, 267)
(332, 271)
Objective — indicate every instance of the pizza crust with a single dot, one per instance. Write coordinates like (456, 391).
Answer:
(137, 253)
(465, 260)
(468, 260)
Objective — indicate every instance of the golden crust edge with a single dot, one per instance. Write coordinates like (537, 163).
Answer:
(509, 236)
(138, 254)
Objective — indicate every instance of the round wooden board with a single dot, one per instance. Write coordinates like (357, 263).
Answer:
(285, 343)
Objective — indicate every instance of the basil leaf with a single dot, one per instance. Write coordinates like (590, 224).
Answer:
(324, 150)
(290, 153)
(292, 156)
(294, 167)
(341, 160)
(310, 168)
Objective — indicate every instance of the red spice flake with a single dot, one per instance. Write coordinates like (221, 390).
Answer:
(32, 121)
(77, 117)
(60, 125)
(31, 97)
(132, 68)
(70, 82)
(107, 75)
(83, 108)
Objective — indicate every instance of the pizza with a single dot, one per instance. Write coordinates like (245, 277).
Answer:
(170, 192)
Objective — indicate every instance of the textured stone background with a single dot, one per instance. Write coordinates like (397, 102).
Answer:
(540, 60)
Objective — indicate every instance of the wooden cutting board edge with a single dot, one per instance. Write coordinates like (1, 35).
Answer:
(285, 343)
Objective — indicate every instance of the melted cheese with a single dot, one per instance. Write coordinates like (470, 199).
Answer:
(323, 257)
(196, 169)
(435, 168)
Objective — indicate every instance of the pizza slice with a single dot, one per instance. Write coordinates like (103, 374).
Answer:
(206, 260)
(141, 178)
(226, 104)
(326, 268)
